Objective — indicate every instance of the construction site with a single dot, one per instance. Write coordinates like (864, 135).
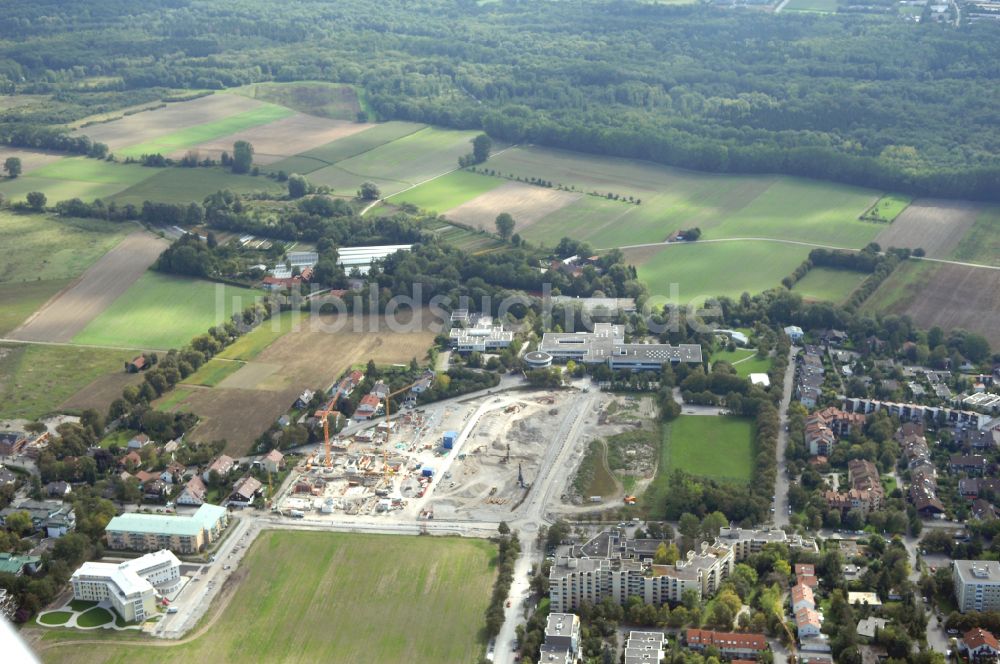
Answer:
(470, 459)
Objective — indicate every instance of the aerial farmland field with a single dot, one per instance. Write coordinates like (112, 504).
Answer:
(347, 147)
(704, 269)
(823, 284)
(936, 226)
(981, 243)
(190, 185)
(337, 598)
(319, 98)
(162, 311)
(449, 191)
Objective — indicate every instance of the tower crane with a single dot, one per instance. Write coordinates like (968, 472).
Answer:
(385, 451)
(325, 415)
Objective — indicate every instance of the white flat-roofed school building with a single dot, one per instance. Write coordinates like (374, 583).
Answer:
(132, 586)
(607, 344)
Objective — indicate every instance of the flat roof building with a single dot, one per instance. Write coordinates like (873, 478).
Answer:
(977, 585)
(644, 647)
(480, 335)
(607, 344)
(131, 586)
(151, 532)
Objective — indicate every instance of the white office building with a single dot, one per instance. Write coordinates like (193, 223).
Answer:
(977, 585)
(131, 587)
(480, 336)
(606, 344)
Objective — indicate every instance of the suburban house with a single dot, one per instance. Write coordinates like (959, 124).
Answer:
(138, 442)
(970, 464)
(131, 461)
(794, 333)
(54, 517)
(244, 491)
(367, 407)
(304, 399)
(809, 622)
(802, 597)
(223, 465)
(193, 493)
(58, 489)
(273, 461)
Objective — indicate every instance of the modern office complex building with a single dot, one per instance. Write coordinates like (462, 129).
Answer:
(132, 586)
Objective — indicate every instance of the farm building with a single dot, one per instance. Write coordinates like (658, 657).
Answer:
(151, 532)
(361, 258)
(295, 261)
(607, 344)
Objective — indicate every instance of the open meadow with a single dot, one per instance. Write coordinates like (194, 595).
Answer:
(824, 284)
(163, 311)
(36, 380)
(981, 243)
(192, 185)
(717, 447)
(744, 360)
(449, 191)
(337, 598)
(706, 269)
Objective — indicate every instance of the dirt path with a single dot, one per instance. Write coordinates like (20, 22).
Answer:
(70, 310)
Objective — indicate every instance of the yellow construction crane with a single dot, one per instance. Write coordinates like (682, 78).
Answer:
(388, 428)
(326, 430)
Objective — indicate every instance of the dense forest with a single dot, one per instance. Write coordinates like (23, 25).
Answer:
(858, 98)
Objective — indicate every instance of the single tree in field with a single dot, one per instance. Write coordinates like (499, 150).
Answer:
(12, 166)
(369, 191)
(505, 225)
(242, 157)
(481, 146)
(36, 200)
(298, 186)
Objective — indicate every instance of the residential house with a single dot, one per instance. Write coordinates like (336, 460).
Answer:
(980, 645)
(970, 464)
(19, 565)
(974, 487)
(802, 597)
(273, 461)
(58, 489)
(53, 517)
(244, 491)
(193, 493)
(869, 627)
(305, 398)
(131, 461)
(367, 407)
(171, 447)
(809, 622)
(794, 333)
(223, 465)
(982, 510)
(138, 442)
(819, 438)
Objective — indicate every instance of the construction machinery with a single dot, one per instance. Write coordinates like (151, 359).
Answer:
(386, 471)
(324, 414)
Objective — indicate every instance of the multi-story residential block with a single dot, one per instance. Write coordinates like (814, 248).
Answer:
(644, 647)
(183, 534)
(132, 586)
(730, 645)
(746, 542)
(977, 585)
(562, 638)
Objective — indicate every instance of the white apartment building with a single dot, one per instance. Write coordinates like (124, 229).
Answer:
(574, 580)
(977, 585)
(480, 336)
(132, 586)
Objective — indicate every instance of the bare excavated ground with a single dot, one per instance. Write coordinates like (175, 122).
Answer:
(148, 125)
(934, 225)
(526, 203)
(280, 139)
(66, 314)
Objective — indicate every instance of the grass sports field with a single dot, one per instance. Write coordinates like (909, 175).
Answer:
(720, 448)
(161, 311)
(982, 243)
(823, 284)
(706, 269)
(744, 360)
(35, 380)
(192, 136)
(449, 191)
(336, 598)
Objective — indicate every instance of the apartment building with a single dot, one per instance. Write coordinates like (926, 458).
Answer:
(183, 534)
(730, 645)
(644, 647)
(977, 585)
(132, 586)
(562, 639)
(745, 542)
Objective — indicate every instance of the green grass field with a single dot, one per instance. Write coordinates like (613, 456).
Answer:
(163, 311)
(903, 285)
(192, 185)
(824, 284)
(592, 477)
(467, 240)
(346, 147)
(94, 170)
(55, 618)
(212, 373)
(94, 617)
(703, 270)
(173, 398)
(42, 248)
(394, 166)
(888, 207)
(723, 206)
(744, 360)
(981, 244)
(192, 136)
(34, 380)
(720, 448)
(253, 343)
(450, 191)
(336, 598)
(56, 190)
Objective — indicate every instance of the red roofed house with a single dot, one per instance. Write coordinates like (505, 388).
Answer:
(367, 407)
(136, 365)
(729, 644)
(802, 597)
(132, 460)
(806, 575)
(809, 622)
(980, 645)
